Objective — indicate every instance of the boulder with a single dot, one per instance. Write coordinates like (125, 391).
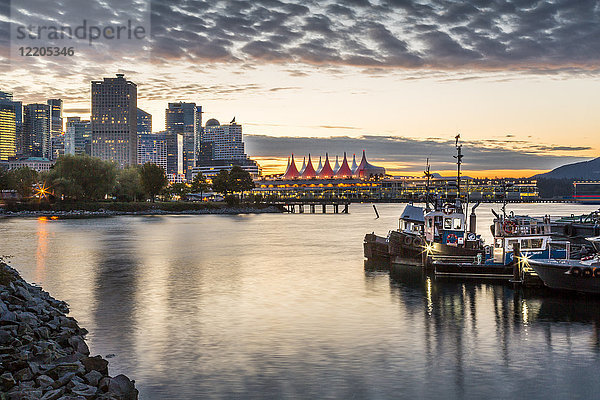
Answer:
(95, 363)
(7, 381)
(53, 394)
(86, 391)
(93, 377)
(121, 386)
(44, 381)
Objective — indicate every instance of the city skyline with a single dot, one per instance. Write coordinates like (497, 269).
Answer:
(517, 80)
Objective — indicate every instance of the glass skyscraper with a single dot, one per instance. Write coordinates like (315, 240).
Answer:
(36, 131)
(114, 120)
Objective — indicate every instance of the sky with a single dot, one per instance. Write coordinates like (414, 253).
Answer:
(519, 80)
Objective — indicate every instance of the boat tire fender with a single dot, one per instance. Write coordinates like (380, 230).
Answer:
(575, 271)
(569, 230)
(596, 272)
(418, 242)
(587, 273)
(408, 240)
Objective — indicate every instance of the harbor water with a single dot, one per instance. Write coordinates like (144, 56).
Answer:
(280, 306)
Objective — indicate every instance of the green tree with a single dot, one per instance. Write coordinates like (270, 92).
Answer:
(240, 180)
(154, 179)
(4, 182)
(22, 180)
(220, 183)
(180, 190)
(199, 184)
(81, 177)
(129, 185)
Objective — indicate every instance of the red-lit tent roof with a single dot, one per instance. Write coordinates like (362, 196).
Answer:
(336, 168)
(326, 171)
(309, 171)
(291, 172)
(354, 164)
(366, 170)
(344, 171)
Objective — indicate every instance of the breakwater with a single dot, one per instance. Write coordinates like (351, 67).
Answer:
(151, 211)
(43, 353)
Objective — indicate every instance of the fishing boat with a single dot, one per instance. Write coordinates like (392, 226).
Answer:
(575, 275)
(531, 236)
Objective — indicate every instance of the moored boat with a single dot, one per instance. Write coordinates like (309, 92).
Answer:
(574, 275)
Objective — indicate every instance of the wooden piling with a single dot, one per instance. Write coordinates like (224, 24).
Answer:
(517, 263)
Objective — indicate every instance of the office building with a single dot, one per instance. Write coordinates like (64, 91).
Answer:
(36, 131)
(175, 164)
(185, 119)
(114, 120)
(8, 132)
(57, 146)
(56, 119)
(226, 140)
(144, 122)
(78, 136)
(6, 99)
(152, 148)
(220, 148)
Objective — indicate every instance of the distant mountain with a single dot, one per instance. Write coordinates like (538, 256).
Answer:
(585, 170)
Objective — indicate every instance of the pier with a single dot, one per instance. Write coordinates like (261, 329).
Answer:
(315, 206)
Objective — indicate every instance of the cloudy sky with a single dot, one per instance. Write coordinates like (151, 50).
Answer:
(519, 80)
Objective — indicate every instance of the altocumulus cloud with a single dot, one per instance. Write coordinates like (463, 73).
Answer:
(536, 36)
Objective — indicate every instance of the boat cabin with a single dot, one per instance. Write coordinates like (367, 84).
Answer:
(412, 220)
(446, 226)
(532, 235)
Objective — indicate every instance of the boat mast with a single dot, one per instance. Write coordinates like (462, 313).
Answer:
(428, 176)
(459, 158)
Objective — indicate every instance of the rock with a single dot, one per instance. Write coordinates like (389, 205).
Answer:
(5, 337)
(79, 345)
(24, 374)
(7, 381)
(19, 393)
(53, 394)
(29, 318)
(93, 377)
(123, 388)
(24, 293)
(8, 317)
(61, 369)
(86, 391)
(96, 363)
(44, 381)
(63, 380)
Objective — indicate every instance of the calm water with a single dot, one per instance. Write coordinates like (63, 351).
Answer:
(280, 306)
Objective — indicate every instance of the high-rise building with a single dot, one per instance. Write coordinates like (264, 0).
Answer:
(8, 132)
(175, 164)
(152, 148)
(6, 99)
(144, 122)
(185, 119)
(221, 147)
(227, 143)
(57, 146)
(36, 131)
(78, 136)
(114, 120)
(56, 119)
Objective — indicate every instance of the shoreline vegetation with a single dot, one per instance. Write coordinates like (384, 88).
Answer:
(107, 209)
(43, 353)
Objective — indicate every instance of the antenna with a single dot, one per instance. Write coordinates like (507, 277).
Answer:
(428, 176)
(459, 156)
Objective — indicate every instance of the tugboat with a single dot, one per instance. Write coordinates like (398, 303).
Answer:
(573, 275)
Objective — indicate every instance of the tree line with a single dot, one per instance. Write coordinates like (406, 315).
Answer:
(85, 178)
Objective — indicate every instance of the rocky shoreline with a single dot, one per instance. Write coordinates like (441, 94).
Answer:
(43, 354)
(111, 213)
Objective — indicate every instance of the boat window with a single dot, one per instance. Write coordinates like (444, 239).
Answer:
(457, 225)
(534, 243)
(498, 243)
(510, 244)
(430, 222)
(447, 223)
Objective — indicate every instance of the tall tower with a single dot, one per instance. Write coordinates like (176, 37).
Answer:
(8, 132)
(6, 99)
(36, 130)
(184, 120)
(114, 120)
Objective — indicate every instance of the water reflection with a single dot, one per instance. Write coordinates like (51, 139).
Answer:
(42, 250)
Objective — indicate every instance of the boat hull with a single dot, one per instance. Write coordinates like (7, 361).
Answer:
(405, 248)
(375, 247)
(556, 275)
